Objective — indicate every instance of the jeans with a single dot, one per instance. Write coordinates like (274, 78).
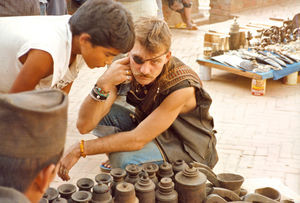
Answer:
(119, 119)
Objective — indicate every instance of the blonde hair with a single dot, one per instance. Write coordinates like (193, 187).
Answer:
(153, 34)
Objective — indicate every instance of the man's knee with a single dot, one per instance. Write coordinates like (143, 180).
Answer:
(121, 159)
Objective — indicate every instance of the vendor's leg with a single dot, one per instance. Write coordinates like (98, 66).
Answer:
(119, 119)
(186, 14)
(150, 153)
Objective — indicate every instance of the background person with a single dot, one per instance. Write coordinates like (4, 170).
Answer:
(48, 51)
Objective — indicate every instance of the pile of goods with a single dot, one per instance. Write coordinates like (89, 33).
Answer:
(167, 183)
(288, 32)
(257, 60)
(274, 48)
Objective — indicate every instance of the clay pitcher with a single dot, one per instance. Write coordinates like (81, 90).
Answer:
(85, 184)
(66, 190)
(118, 175)
(190, 185)
(101, 194)
(179, 165)
(165, 171)
(166, 192)
(132, 173)
(145, 189)
(81, 197)
(104, 178)
(125, 193)
(234, 39)
(151, 169)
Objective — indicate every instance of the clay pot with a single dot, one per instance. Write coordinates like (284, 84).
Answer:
(104, 178)
(85, 184)
(165, 171)
(190, 185)
(125, 193)
(269, 192)
(81, 197)
(144, 189)
(60, 200)
(230, 181)
(151, 169)
(179, 165)
(43, 200)
(118, 175)
(101, 193)
(255, 197)
(132, 173)
(166, 192)
(50, 194)
(66, 190)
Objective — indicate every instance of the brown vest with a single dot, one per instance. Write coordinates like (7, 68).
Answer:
(191, 136)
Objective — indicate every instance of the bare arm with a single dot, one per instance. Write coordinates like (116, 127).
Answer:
(38, 65)
(180, 101)
(158, 121)
(91, 111)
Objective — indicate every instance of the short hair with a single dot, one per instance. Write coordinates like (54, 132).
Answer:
(153, 34)
(19, 173)
(107, 22)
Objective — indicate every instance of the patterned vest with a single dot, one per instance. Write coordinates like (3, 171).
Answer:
(191, 136)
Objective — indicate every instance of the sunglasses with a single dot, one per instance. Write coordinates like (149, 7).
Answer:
(139, 60)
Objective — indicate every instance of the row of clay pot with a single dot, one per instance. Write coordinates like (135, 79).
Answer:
(151, 183)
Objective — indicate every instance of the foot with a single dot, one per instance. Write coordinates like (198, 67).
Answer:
(191, 27)
(105, 166)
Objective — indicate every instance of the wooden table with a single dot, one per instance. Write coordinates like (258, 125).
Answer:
(275, 75)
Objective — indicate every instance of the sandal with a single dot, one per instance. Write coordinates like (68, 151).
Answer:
(105, 167)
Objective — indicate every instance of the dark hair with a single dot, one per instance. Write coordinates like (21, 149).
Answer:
(18, 173)
(107, 22)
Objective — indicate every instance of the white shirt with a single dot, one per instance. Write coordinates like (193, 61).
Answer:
(51, 34)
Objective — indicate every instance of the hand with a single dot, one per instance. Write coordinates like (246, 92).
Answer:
(118, 72)
(68, 161)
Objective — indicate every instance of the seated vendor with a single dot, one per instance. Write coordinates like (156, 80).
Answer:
(171, 119)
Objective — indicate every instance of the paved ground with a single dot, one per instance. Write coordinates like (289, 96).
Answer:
(258, 137)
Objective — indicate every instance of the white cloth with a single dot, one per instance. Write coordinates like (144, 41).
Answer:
(140, 8)
(52, 34)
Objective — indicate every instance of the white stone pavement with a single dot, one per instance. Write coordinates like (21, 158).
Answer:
(258, 136)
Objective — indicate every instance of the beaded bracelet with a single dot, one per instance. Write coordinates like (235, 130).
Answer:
(98, 94)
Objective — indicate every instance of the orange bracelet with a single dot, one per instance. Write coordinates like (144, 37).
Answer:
(82, 154)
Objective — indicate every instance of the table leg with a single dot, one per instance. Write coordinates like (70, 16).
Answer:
(204, 72)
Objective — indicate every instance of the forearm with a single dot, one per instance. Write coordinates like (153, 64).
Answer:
(119, 142)
(91, 111)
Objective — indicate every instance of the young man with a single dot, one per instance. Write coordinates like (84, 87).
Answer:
(32, 131)
(171, 119)
(48, 51)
